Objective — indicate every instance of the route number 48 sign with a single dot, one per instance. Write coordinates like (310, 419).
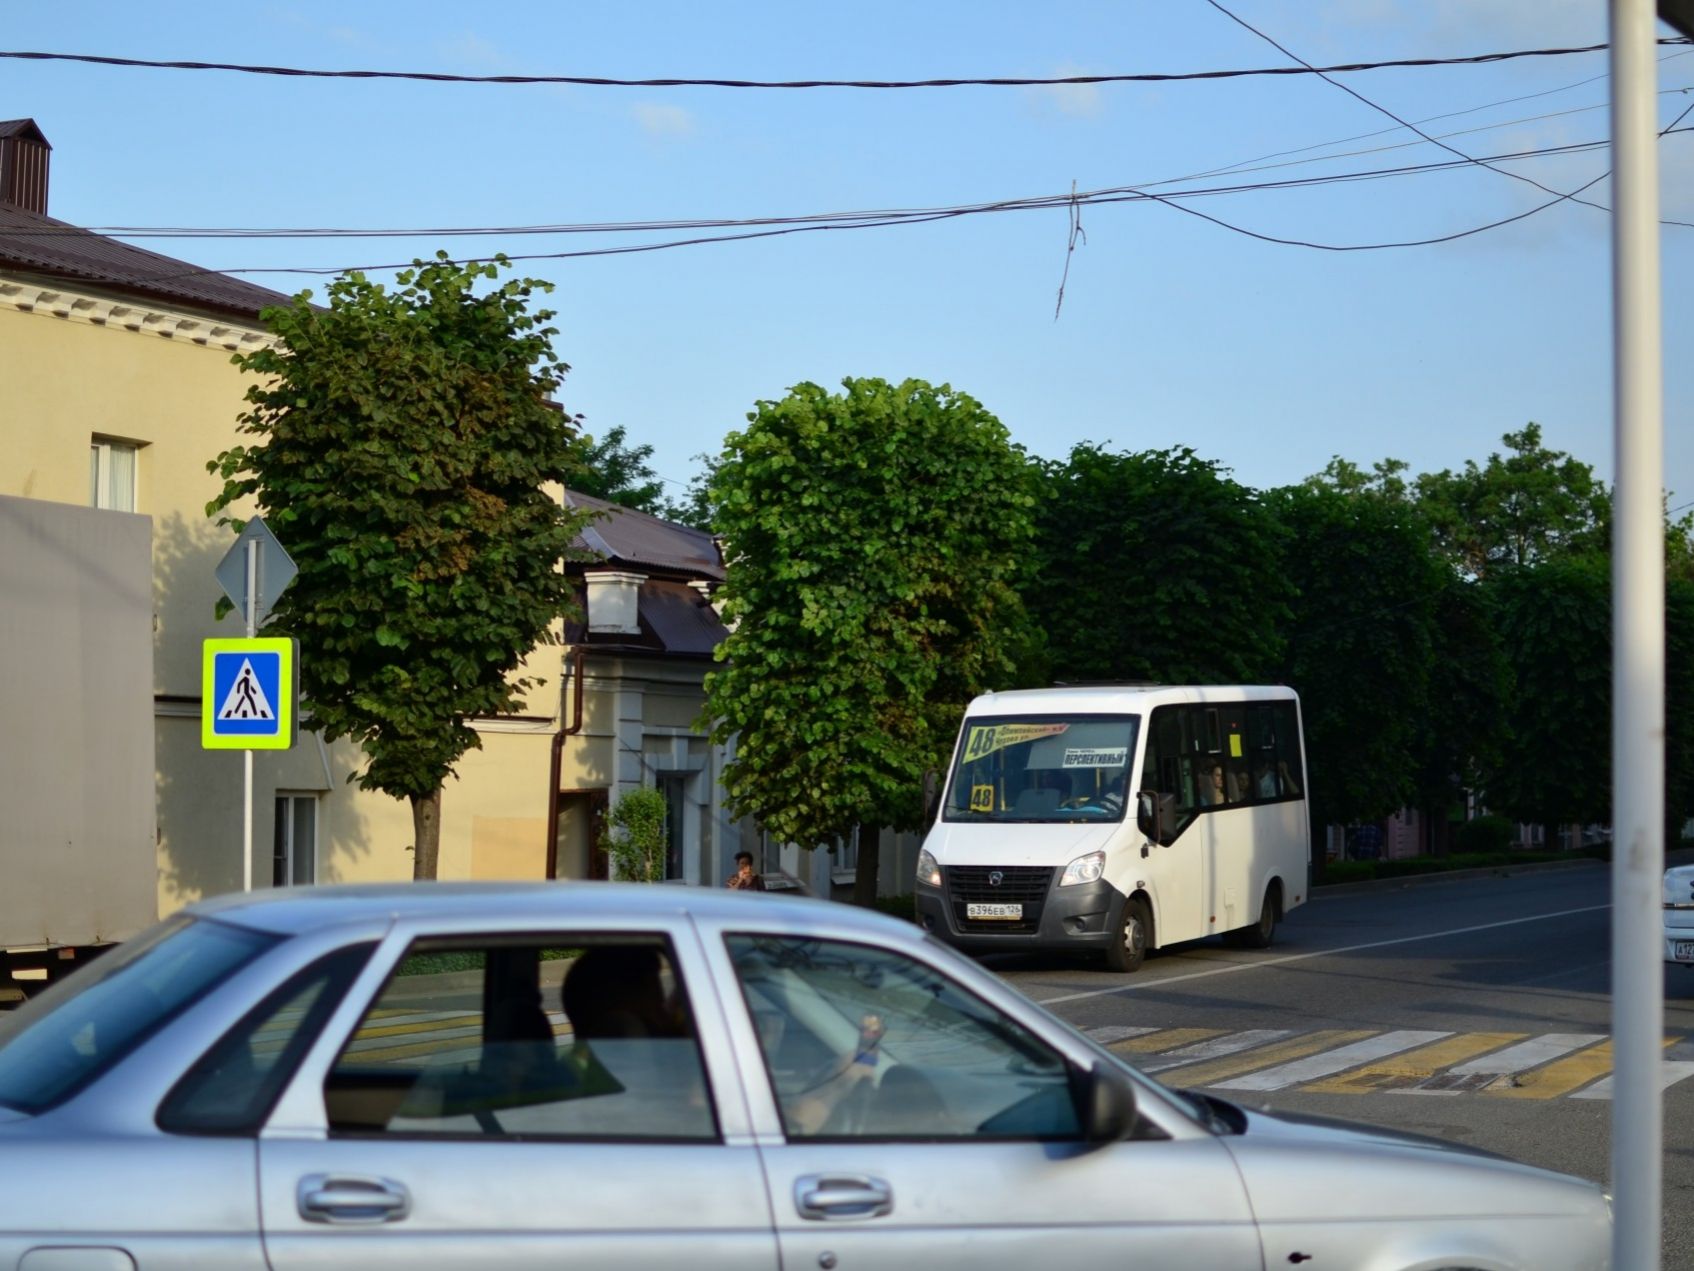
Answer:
(248, 694)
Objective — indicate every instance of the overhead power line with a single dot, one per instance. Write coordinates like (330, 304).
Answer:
(779, 226)
(1411, 127)
(601, 81)
(1038, 201)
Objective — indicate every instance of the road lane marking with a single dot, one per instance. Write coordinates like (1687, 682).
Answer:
(1411, 1068)
(1284, 960)
(1310, 1043)
(1674, 1070)
(1109, 1033)
(1367, 1061)
(1557, 1078)
(1333, 1061)
(1529, 1054)
(1164, 1039)
(1216, 1048)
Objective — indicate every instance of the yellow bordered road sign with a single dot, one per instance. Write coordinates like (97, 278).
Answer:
(248, 694)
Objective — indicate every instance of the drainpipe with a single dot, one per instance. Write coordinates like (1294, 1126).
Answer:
(556, 764)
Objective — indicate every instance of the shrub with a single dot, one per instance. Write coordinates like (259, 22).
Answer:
(1485, 834)
(634, 837)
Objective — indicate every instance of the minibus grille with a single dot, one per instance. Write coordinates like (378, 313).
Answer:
(1022, 884)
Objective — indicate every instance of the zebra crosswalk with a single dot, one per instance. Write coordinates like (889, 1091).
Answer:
(1383, 1061)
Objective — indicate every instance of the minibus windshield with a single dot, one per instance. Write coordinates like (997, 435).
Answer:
(1042, 768)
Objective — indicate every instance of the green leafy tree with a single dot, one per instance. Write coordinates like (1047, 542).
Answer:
(1679, 706)
(1530, 505)
(1462, 733)
(1155, 566)
(634, 837)
(1359, 645)
(1386, 479)
(873, 536)
(612, 469)
(405, 448)
(695, 508)
(1556, 618)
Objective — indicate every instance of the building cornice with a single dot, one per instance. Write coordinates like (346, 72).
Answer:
(53, 299)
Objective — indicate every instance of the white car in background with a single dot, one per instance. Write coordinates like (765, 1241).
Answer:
(1679, 915)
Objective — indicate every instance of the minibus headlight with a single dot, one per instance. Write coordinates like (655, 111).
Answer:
(1084, 869)
(929, 872)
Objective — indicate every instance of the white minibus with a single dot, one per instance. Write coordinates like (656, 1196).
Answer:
(1119, 819)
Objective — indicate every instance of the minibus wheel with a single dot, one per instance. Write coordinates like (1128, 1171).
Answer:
(1135, 933)
(1262, 932)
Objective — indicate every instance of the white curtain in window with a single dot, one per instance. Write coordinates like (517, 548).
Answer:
(121, 478)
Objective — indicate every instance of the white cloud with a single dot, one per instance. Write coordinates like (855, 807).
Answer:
(663, 121)
(470, 49)
(1079, 101)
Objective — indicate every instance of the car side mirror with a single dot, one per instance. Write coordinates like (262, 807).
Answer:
(1107, 1105)
(1154, 814)
(931, 795)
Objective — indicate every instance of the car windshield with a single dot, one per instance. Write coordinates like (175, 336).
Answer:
(1042, 768)
(55, 1045)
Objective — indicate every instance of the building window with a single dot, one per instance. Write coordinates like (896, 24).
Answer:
(847, 853)
(111, 474)
(294, 855)
(673, 787)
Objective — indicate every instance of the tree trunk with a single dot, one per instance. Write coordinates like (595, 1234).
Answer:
(870, 863)
(426, 833)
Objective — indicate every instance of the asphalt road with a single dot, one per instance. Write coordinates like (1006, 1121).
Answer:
(1476, 1010)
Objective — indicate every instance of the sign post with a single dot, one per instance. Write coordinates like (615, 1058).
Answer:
(249, 688)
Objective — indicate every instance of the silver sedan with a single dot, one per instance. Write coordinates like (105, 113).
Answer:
(550, 1076)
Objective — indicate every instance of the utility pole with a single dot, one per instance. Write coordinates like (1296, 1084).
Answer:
(1638, 646)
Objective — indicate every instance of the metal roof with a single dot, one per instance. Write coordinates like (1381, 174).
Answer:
(624, 536)
(45, 246)
(22, 128)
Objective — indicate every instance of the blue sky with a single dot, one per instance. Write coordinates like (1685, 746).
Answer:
(1268, 359)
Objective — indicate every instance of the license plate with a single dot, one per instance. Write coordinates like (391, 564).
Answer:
(1683, 950)
(994, 911)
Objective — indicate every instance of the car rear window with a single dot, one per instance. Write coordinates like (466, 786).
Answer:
(53, 1046)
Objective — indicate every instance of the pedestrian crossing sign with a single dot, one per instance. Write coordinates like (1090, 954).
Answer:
(248, 693)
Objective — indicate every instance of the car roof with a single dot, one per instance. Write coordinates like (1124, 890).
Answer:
(294, 910)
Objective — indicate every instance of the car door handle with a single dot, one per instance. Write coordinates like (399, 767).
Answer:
(352, 1199)
(837, 1196)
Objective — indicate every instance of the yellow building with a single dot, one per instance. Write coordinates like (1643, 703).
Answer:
(118, 387)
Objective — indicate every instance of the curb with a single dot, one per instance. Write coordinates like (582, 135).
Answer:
(1452, 876)
(1676, 856)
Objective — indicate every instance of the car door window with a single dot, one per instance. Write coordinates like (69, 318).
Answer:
(232, 1087)
(864, 1043)
(516, 1038)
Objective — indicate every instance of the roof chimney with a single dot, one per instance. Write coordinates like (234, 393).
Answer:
(613, 601)
(24, 154)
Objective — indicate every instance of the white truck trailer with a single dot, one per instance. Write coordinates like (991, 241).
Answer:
(77, 841)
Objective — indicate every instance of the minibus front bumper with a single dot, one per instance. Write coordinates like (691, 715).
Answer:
(1082, 917)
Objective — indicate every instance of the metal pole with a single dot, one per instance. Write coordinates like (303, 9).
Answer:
(1638, 647)
(247, 755)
